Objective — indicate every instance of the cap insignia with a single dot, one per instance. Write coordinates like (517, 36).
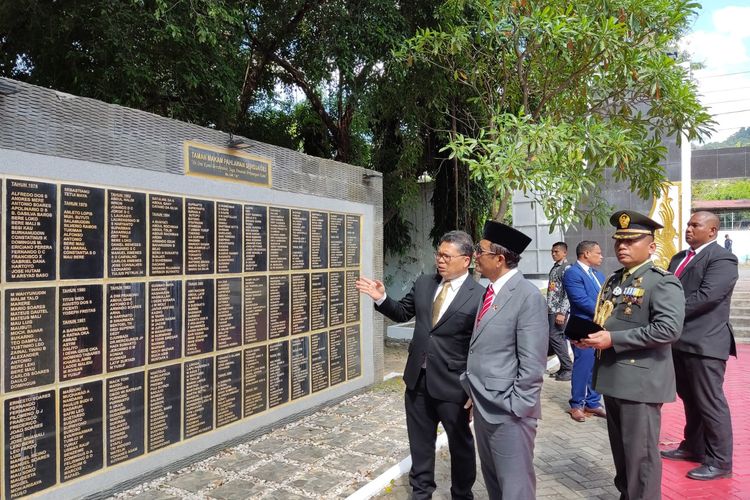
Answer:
(624, 221)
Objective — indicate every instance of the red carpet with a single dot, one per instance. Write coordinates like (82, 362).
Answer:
(675, 485)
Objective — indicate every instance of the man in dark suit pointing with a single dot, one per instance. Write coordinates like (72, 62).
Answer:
(708, 274)
(445, 305)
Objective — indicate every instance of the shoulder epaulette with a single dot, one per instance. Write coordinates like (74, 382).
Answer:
(660, 270)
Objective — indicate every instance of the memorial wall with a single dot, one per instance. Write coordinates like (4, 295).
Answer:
(152, 313)
(135, 320)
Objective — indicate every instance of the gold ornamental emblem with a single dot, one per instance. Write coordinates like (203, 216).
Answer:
(624, 221)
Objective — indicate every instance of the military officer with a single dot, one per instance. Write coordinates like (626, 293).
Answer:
(641, 309)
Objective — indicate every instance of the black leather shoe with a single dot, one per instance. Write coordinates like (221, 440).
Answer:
(682, 455)
(563, 376)
(708, 472)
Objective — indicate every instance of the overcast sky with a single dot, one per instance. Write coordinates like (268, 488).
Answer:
(721, 41)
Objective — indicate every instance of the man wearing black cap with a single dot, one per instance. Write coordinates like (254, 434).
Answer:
(505, 367)
(641, 309)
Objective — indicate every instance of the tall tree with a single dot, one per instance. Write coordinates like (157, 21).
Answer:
(177, 59)
(564, 93)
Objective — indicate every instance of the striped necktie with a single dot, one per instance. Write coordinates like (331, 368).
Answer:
(489, 296)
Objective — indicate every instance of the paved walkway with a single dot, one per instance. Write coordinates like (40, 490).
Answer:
(335, 452)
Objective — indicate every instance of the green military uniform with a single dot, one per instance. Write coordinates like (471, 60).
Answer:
(643, 310)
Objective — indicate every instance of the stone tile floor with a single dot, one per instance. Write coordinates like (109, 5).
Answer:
(334, 452)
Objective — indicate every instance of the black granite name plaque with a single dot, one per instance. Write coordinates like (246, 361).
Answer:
(228, 388)
(125, 418)
(127, 234)
(165, 320)
(278, 373)
(81, 430)
(318, 240)
(353, 352)
(300, 367)
(300, 257)
(352, 297)
(228, 238)
(318, 301)
(256, 238)
(278, 306)
(164, 406)
(29, 338)
(29, 444)
(80, 327)
(337, 355)
(300, 288)
(319, 361)
(256, 309)
(126, 325)
(82, 232)
(199, 236)
(199, 397)
(165, 215)
(278, 239)
(256, 380)
(199, 316)
(31, 231)
(228, 313)
(337, 240)
(352, 240)
(336, 298)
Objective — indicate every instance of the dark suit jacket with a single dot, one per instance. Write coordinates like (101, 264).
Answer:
(708, 281)
(508, 354)
(581, 291)
(447, 344)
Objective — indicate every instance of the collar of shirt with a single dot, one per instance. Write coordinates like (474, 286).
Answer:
(635, 268)
(456, 283)
(498, 284)
(700, 248)
(561, 262)
(584, 266)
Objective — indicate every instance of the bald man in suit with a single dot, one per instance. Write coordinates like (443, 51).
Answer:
(708, 274)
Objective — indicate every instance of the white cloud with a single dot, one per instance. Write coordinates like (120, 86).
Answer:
(733, 21)
(724, 50)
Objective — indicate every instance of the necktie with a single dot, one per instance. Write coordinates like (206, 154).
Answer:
(438, 304)
(593, 277)
(684, 264)
(489, 296)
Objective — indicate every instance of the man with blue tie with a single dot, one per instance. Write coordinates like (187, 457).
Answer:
(582, 284)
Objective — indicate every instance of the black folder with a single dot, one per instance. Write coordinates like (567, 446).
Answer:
(580, 328)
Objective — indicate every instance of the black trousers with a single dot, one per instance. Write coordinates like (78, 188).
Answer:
(559, 344)
(708, 424)
(423, 413)
(633, 429)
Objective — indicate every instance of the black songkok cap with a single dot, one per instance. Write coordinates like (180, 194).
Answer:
(500, 234)
(631, 225)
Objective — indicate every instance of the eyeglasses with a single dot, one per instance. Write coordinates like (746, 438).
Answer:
(479, 251)
(447, 258)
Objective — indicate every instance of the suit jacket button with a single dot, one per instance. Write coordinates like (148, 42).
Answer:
(471, 351)
(632, 361)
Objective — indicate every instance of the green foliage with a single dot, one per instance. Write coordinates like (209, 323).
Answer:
(738, 189)
(738, 139)
(563, 96)
(177, 59)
